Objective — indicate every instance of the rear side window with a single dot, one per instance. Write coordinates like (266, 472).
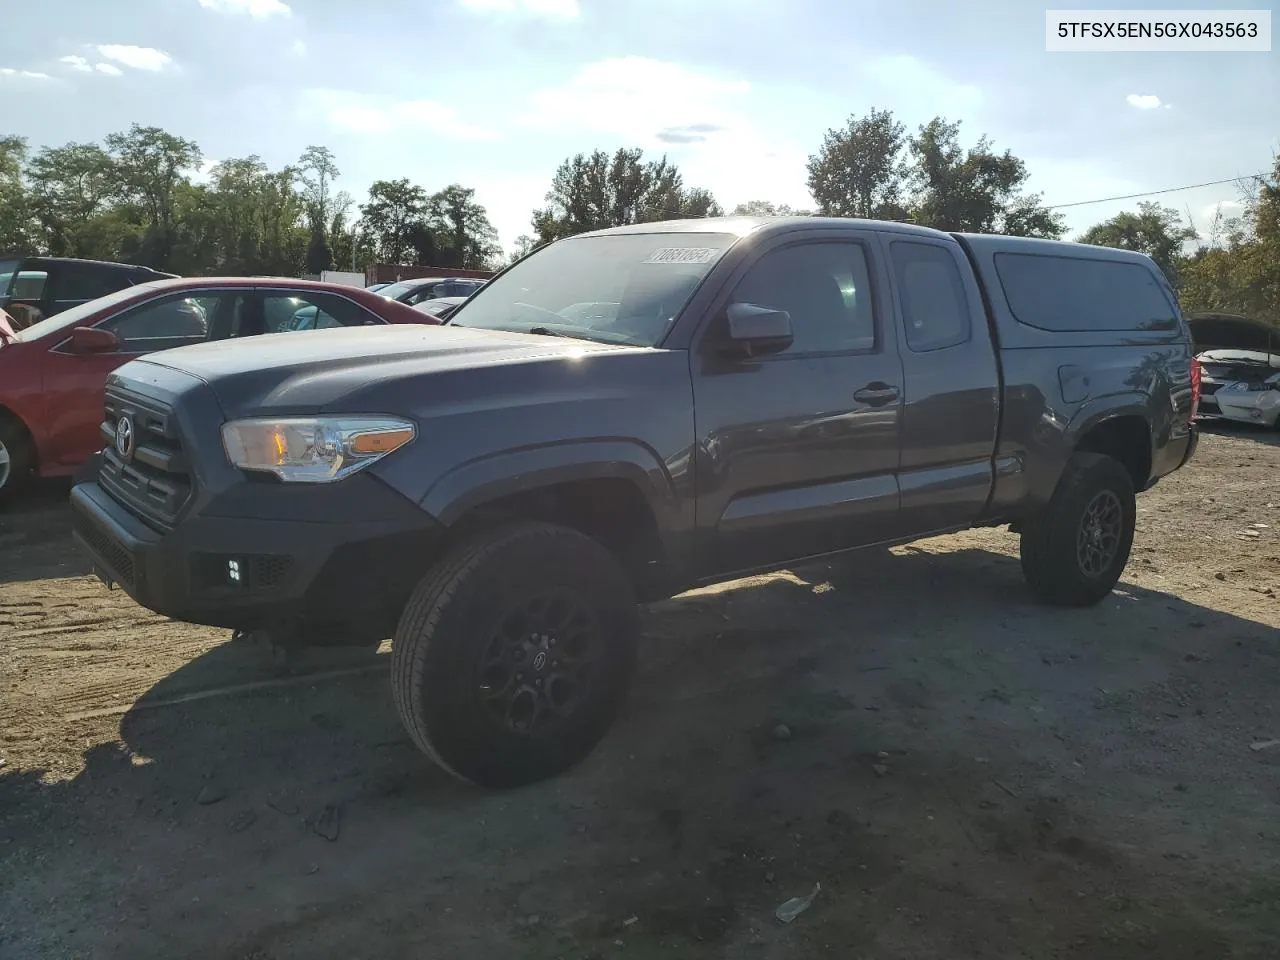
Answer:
(7, 269)
(1074, 294)
(79, 282)
(934, 308)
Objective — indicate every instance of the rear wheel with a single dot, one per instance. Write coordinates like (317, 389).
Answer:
(1074, 552)
(16, 458)
(514, 654)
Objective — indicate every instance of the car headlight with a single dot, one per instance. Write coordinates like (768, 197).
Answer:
(313, 449)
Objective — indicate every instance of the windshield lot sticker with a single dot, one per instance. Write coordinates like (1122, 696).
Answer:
(682, 255)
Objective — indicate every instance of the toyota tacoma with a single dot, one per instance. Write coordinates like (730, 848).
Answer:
(622, 416)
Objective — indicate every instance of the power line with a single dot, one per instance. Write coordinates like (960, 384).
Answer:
(1154, 193)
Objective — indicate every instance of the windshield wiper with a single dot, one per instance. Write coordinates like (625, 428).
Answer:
(548, 332)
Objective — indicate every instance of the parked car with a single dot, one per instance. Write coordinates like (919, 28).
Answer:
(374, 287)
(441, 307)
(52, 373)
(1240, 362)
(754, 393)
(430, 288)
(34, 288)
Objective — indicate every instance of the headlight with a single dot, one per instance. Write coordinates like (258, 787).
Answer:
(313, 449)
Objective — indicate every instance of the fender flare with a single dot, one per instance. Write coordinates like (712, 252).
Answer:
(490, 478)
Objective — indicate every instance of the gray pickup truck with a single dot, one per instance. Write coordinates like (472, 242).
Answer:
(625, 415)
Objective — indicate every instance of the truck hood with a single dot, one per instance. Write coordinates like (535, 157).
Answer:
(311, 371)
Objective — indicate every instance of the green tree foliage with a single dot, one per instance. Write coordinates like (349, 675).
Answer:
(1240, 272)
(16, 227)
(871, 168)
(1155, 230)
(460, 227)
(133, 198)
(393, 219)
(859, 170)
(594, 191)
(973, 190)
(765, 208)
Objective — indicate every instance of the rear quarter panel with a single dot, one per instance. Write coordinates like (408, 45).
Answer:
(1060, 385)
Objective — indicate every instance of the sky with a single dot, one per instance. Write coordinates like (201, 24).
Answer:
(494, 94)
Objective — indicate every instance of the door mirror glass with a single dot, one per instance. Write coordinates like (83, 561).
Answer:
(93, 340)
(756, 331)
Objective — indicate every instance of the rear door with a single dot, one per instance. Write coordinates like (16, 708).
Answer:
(285, 310)
(951, 409)
(797, 452)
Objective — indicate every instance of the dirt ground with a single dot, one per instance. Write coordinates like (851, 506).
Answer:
(965, 773)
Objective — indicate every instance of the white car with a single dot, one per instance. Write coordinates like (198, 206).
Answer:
(1241, 385)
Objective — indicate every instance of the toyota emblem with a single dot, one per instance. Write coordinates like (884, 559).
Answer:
(124, 437)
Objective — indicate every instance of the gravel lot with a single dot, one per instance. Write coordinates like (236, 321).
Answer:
(965, 773)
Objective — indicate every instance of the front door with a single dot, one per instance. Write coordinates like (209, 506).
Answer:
(797, 452)
(74, 384)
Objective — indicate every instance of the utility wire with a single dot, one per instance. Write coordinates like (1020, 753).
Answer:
(1153, 193)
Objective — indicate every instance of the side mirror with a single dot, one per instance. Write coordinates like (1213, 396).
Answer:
(93, 340)
(756, 331)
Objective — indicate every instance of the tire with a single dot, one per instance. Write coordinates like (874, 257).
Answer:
(531, 602)
(17, 461)
(1095, 495)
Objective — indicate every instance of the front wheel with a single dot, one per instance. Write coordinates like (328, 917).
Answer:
(1074, 552)
(16, 461)
(514, 654)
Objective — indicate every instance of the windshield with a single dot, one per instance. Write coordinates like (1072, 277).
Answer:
(620, 288)
(395, 291)
(78, 314)
(7, 269)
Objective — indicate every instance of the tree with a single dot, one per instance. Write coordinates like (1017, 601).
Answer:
(149, 164)
(524, 246)
(595, 191)
(16, 234)
(764, 208)
(393, 219)
(1241, 272)
(973, 190)
(1154, 230)
(859, 171)
(317, 169)
(69, 187)
(463, 235)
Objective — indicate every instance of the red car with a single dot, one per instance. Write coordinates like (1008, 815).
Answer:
(52, 374)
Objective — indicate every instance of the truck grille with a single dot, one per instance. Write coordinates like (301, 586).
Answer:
(152, 480)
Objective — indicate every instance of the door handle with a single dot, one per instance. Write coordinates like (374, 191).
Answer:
(876, 394)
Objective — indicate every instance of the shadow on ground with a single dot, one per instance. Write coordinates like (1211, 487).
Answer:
(963, 772)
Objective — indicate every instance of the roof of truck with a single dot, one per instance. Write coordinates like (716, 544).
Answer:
(766, 225)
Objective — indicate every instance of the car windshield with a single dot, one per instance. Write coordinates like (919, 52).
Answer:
(77, 314)
(395, 291)
(619, 288)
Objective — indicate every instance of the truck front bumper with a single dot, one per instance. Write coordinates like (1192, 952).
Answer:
(317, 573)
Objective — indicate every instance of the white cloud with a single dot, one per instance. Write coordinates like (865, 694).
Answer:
(1143, 101)
(76, 63)
(644, 102)
(299, 48)
(139, 58)
(111, 70)
(700, 120)
(549, 9)
(360, 113)
(23, 74)
(258, 9)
